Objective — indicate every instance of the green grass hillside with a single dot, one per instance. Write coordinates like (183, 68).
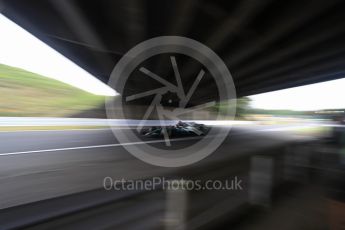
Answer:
(23, 93)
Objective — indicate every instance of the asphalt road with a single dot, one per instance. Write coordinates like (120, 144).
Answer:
(37, 165)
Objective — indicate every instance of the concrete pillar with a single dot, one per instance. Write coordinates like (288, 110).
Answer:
(176, 206)
(261, 181)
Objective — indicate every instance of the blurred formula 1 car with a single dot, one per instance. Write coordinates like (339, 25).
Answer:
(181, 129)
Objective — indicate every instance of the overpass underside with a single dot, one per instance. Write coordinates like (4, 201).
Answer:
(267, 45)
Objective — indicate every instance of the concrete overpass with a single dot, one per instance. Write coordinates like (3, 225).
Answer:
(267, 45)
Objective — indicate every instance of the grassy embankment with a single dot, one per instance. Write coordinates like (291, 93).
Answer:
(26, 94)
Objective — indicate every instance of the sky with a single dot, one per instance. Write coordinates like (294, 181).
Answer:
(19, 48)
(319, 96)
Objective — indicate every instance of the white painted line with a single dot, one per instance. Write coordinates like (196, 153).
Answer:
(60, 130)
(47, 130)
(96, 146)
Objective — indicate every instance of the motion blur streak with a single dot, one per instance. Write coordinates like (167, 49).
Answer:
(57, 145)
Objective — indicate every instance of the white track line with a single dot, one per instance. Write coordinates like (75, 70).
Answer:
(96, 146)
(60, 130)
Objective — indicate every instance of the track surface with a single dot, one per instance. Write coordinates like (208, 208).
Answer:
(37, 165)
